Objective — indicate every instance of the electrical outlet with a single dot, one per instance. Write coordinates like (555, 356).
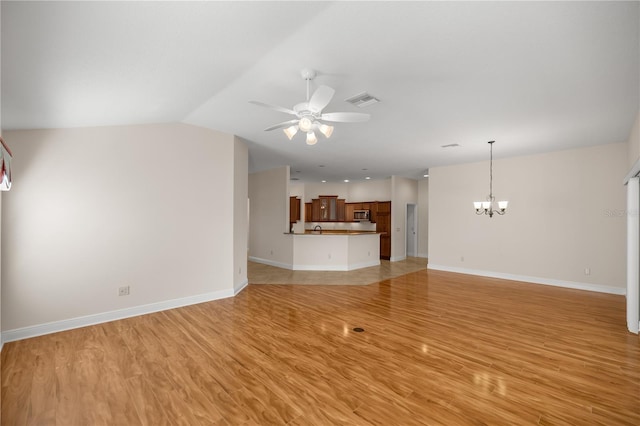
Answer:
(461, 258)
(123, 291)
(587, 271)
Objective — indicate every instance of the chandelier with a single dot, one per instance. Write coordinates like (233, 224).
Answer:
(488, 207)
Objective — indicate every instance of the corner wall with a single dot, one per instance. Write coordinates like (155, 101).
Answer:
(269, 218)
(240, 213)
(94, 209)
(566, 213)
(423, 218)
(403, 191)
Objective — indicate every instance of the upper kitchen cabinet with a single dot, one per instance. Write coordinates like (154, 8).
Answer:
(294, 209)
(327, 208)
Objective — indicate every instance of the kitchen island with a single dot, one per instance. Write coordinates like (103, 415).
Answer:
(335, 250)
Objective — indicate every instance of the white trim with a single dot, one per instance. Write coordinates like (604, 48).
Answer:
(397, 258)
(633, 252)
(535, 280)
(241, 287)
(270, 262)
(350, 267)
(635, 170)
(68, 324)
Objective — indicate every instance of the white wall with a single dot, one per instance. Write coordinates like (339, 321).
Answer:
(423, 217)
(352, 192)
(634, 142)
(403, 191)
(269, 218)
(240, 219)
(566, 213)
(1, 341)
(313, 190)
(370, 190)
(149, 206)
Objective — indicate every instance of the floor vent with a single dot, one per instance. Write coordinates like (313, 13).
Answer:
(358, 330)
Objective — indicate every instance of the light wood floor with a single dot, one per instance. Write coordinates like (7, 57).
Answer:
(438, 348)
(264, 274)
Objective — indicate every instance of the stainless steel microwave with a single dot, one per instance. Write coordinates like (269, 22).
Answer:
(361, 215)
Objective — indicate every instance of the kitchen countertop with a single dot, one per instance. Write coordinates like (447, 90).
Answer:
(335, 232)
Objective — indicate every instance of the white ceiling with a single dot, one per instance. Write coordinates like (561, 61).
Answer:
(534, 76)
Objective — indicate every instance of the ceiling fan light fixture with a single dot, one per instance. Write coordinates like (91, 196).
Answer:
(291, 131)
(305, 124)
(326, 130)
(311, 138)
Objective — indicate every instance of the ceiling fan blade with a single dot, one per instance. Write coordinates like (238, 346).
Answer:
(346, 117)
(275, 107)
(282, 125)
(320, 98)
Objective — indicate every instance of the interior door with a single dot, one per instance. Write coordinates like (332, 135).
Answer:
(412, 237)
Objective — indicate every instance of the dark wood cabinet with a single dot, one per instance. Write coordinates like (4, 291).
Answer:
(373, 209)
(348, 212)
(327, 208)
(308, 216)
(340, 214)
(383, 225)
(294, 209)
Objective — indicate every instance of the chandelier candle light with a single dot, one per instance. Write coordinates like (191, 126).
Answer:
(487, 207)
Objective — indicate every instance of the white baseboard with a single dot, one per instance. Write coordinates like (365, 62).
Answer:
(397, 258)
(352, 267)
(535, 280)
(240, 287)
(68, 324)
(270, 262)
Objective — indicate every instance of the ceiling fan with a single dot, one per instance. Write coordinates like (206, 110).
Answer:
(309, 116)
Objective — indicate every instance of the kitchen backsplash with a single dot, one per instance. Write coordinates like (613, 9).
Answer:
(351, 226)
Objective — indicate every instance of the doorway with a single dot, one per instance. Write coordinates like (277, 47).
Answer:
(412, 230)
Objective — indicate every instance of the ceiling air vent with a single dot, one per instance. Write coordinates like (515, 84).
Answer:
(451, 145)
(362, 100)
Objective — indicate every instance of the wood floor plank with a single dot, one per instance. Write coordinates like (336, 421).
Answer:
(438, 348)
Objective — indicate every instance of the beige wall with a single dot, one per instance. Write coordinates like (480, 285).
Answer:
(313, 190)
(566, 213)
(269, 217)
(370, 190)
(634, 142)
(423, 218)
(100, 208)
(403, 191)
(240, 217)
(352, 192)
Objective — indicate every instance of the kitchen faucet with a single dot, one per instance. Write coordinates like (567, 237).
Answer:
(315, 228)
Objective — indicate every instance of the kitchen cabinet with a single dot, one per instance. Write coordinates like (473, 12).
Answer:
(348, 212)
(308, 212)
(340, 215)
(327, 208)
(294, 209)
(383, 225)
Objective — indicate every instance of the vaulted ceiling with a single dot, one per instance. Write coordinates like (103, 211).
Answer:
(534, 76)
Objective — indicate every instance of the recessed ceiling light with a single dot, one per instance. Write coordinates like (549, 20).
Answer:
(321, 165)
(324, 181)
(426, 175)
(346, 180)
(367, 178)
(365, 169)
